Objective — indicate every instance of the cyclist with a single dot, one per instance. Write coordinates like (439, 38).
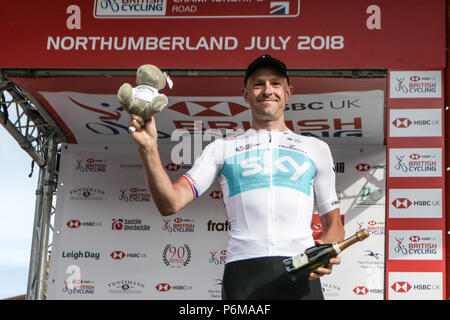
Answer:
(271, 178)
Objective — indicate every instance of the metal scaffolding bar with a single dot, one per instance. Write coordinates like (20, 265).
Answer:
(49, 186)
(38, 135)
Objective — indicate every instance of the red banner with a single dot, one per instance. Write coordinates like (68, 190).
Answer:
(223, 34)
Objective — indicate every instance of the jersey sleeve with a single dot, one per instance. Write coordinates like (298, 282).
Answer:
(205, 168)
(325, 196)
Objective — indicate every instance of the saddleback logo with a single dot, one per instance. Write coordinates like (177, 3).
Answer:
(120, 224)
(176, 256)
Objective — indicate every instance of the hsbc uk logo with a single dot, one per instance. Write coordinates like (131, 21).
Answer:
(405, 203)
(402, 123)
(120, 255)
(166, 287)
(208, 108)
(401, 286)
(406, 123)
(362, 291)
(75, 224)
(364, 167)
(405, 287)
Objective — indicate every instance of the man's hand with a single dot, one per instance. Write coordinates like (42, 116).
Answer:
(143, 133)
(320, 272)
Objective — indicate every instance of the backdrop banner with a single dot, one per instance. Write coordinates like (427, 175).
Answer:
(318, 34)
(110, 242)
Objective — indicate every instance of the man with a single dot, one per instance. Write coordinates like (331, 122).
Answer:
(270, 178)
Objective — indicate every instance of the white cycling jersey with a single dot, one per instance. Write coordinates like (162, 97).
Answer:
(270, 182)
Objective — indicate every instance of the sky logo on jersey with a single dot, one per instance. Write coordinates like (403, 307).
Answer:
(259, 168)
(279, 7)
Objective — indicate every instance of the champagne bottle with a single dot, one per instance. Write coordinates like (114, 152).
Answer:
(314, 257)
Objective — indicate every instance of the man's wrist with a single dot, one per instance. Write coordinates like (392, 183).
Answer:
(148, 149)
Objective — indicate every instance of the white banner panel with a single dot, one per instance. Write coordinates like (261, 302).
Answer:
(415, 203)
(415, 244)
(337, 117)
(415, 84)
(415, 123)
(415, 286)
(110, 242)
(415, 162)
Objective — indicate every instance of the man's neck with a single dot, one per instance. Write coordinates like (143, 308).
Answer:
(269, 125)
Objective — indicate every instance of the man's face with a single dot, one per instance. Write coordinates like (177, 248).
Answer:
(267, 92)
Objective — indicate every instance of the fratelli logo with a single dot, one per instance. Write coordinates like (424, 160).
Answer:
(176, 256)
(129, 8)
(178, 225)
(87, 194)
(134, 194)
(91, 165)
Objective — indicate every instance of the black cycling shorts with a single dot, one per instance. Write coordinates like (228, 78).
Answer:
(266, 279)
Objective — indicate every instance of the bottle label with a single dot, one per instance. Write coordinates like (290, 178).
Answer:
(300, 260)
(336, 248)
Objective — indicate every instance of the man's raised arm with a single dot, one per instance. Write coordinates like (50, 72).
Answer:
(169, 197)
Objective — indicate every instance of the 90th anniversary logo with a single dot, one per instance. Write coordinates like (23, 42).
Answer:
(176, 256)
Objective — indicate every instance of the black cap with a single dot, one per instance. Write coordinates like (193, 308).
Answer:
(266, 60)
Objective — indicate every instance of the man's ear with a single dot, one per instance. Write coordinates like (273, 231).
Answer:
(244, 94)
(289, 91)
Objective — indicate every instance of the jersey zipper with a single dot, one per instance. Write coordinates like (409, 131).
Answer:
(271, 214)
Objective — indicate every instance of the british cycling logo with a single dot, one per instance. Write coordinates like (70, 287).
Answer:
(178, 225)
(416, 85)
(134, 194)
(119, 9)
(217, 258)
(415, 162)
(416, 246)
(91, 165)
(108, 120)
